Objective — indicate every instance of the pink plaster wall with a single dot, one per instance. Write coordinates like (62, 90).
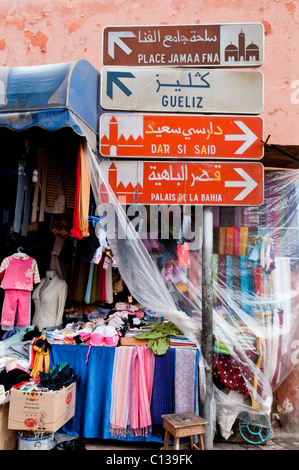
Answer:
(42, 32)
(35, 32)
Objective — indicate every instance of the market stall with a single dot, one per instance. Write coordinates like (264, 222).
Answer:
(52, 255)
(121, 303)
(255, 266)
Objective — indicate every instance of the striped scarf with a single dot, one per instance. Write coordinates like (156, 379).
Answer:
(132, 383)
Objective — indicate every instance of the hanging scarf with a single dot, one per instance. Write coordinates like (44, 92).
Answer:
(143, 364)
(119, 411)
(41, 356)
(185, 360)
(82, 197)
(132, 383)
(76, 226)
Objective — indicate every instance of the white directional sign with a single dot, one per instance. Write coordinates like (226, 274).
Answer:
(176, 90)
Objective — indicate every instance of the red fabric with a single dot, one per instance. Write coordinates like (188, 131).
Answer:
(183, 255)
(258, 281)
(228, 372)
(76, 232)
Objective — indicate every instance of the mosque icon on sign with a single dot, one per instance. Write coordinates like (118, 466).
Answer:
(241, 53)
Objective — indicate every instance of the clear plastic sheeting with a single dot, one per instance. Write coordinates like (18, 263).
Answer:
(256, 285)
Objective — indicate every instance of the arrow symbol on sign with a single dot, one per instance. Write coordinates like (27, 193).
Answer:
(113, 77)
(249, 137)
(249, 184)
(114, 37)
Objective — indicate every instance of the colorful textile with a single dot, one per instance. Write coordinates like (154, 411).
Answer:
(158, 337)
(119, 412)
(236, 241)
(222, 240)
(230, 373)
(229, 242)
(17, 302)
(132, 382)
(21, 272)
(82, 197)
(143, 364)
(76, 232)
(162, 401)
(41, 354)
(185, 371)
(243, 240)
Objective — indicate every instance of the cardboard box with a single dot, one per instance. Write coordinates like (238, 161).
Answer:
(41, 411)
(8, 437)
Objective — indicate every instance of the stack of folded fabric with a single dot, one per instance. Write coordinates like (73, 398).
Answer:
(180, 341)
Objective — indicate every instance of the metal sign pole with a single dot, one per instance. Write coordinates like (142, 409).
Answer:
(207, 321)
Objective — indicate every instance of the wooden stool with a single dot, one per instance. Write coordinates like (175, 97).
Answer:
(183, 425)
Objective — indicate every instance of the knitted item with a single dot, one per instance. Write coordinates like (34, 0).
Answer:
(42, 357)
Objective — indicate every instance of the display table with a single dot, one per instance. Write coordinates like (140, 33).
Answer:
(93, 396)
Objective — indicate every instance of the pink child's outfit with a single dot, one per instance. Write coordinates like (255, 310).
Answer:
(20, 273)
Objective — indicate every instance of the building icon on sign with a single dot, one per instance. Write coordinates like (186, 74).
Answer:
(128, 181)
(115, 143)
(241, 53)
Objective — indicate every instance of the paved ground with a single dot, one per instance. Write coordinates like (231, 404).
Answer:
(277, 441)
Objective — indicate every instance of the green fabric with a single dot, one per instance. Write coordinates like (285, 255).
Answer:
(158, 337)
(221, 348)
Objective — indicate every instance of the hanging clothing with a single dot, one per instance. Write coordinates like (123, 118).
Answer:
(185, 373)
(229, 241)
(109, 282)
(39, 198)
(23, 198)
(60, 170)
(82, 197)
(21, 272)
(16, 301)
(132, 382)
(76, 227)
(49, 301)
(141, 384)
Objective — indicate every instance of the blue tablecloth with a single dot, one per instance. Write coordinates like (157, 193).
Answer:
(93, 391)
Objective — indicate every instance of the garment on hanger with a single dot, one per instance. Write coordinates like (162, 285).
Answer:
(49, 299)
(39, 198)
(60, 171)
(20, 273)
(23, 199)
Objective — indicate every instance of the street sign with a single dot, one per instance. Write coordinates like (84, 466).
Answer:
(200, 45)
(217, 183)
(183, 136)
(175, 90)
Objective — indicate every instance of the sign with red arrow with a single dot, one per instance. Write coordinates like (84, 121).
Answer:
(181, 136)
(152, 182)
